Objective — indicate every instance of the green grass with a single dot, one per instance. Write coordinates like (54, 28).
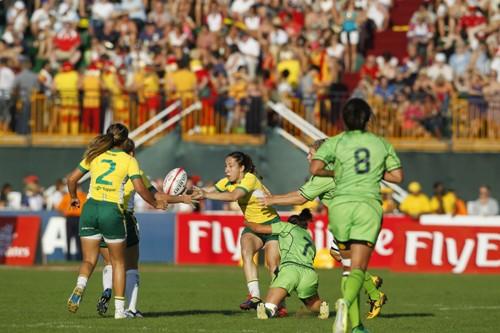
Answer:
(205, 299)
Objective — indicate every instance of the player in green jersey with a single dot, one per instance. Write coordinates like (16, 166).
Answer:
(360, 161)
(324, 187)
(295, 272)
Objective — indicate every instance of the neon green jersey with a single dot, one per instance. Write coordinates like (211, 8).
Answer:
(360, 160)
(108, 173)
(322, 187)
(296, 245)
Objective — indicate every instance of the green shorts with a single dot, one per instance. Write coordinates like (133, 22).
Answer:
(264, 237)
(102, 219)
(355, 222)
(302, 279)
(132, 230)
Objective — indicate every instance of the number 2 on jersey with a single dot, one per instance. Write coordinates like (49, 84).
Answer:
(100, 179)
(362, 158)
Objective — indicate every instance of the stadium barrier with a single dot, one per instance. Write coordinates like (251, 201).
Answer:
(438, 244)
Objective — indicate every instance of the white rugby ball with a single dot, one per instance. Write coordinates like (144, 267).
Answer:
(175, 181)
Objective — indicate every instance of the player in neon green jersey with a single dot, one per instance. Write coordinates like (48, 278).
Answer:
(324, 187)
(102, 215)
(296, 272)
(360, 161)
(132, 241)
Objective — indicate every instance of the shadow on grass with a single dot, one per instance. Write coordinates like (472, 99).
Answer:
(182, 313)
(403, 315)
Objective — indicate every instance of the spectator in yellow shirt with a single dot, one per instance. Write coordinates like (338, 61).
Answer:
(416, 203)
(66, 86)
(388, 204)
(181, 84)
(442, 202)
(91, 85)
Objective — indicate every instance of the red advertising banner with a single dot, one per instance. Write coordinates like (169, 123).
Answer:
(403, 244)
(19, 239)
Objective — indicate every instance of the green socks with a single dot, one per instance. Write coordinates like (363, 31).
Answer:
(353, 285)
(370, 287)
(354, 310)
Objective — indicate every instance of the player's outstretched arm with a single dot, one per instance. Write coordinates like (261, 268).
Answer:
(147, 195)
(223, 196)
(317, 168)
(259, 228)
(394, 176)
(182, 198)
(292, 198)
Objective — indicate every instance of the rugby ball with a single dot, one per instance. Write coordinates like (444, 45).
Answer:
(175, 181)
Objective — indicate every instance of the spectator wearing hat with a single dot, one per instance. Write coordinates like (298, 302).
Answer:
(91, 84)
(440, 68)
(7, 78)
(66, 87)
(485, 205)
(416, 203)
(25, 84)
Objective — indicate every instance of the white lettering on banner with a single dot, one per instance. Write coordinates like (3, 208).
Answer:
(216, 237)
(319, 235)
(483, 246)
(199, 229)
(54, 236)
(437, 249)
(385, 238)
(17, 252)
(195, 233)
(459, 263)
(413, 244)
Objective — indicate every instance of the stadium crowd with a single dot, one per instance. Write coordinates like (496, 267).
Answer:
(98, 60)
(443, 201)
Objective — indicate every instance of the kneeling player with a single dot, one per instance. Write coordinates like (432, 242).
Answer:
(295, 271)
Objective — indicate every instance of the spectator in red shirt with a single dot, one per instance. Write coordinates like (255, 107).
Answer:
(370, 68)
(473, 22)
(66, 44)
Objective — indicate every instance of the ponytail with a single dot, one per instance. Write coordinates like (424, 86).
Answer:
(116, 134)
(302, 219)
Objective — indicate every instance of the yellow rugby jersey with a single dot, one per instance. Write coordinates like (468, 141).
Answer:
(129, 191)
(251, 208)
(109, 173)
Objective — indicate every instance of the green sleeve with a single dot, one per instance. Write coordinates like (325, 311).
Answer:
(326, 152)
(392, 161)
(279, 227)
(316, 186)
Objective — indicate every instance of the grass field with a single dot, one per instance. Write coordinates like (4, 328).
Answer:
(205, 299)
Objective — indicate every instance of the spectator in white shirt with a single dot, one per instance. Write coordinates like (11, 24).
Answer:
(102, 10)
(240, 7)
(16, 15)
(440, 68)
(484, 205)
(7, 78)
(250, 48)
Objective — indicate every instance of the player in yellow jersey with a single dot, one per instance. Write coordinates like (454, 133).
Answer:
(242, 185)
(132, 251)
(102, 215)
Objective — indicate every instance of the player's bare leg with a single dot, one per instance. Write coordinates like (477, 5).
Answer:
(250, 244)
(117, 255)
(272, 251)
(270, 309)
(90, 252)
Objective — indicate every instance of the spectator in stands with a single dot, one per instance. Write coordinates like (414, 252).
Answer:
(460, 206)
(4, 195)
(66, 44)
(442, 202)
(370, 68)
(136, 11)
(7, 78)
(416, 203)
(66, 87)
(25, 84)
(16, 15)
(350, 20)
(485, 205)
(72, 215)
(440, 68)
(460, 59)
(102, 10)
(91, 84)
(54, 194)
(32, 197)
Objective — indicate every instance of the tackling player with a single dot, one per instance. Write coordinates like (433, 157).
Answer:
(360, 161)
(296, 272)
